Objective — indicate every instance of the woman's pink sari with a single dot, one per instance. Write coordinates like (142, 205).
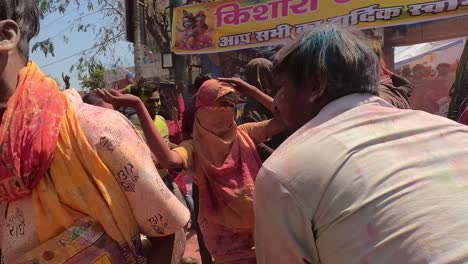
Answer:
(226, 164)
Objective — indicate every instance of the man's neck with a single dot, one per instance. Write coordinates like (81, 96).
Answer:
(5, 93)
(9, 81)
(2, 110)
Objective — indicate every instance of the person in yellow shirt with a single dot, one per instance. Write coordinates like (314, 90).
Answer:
(148, 93)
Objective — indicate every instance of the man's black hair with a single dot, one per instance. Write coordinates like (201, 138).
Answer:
(201, 79)
(93, 99)
(26, 14)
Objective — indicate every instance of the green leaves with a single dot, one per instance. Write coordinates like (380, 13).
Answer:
(94, 78)
(105, 21)
(46, 46)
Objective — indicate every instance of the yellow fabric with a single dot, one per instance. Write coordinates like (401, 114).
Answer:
(259, 132)
(159, 122)
(185, 151)
(79, 184)
(161, 125)
(103, 260)
(84, 236)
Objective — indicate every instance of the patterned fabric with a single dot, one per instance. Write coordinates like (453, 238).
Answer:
(79, 184)
(29, 133)
(52, 158)
(129, 159)
(83, 242)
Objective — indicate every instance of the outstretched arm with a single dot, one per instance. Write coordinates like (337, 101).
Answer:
(66, 80)
(166, 158)
(180, 99)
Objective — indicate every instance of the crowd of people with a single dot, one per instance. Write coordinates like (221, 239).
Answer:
(431, 91)
(316, 157)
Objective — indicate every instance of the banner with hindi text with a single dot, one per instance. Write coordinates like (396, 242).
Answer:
(238, 24)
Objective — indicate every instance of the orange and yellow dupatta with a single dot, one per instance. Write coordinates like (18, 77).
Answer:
(29, 133)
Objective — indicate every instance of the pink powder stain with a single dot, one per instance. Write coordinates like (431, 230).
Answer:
(372, 230)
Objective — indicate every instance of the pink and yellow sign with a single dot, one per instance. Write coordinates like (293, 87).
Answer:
(238, 24)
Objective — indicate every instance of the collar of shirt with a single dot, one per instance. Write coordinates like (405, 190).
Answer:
(344, 104)
(334, 109)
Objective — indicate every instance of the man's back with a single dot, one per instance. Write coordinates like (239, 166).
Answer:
(369, 184)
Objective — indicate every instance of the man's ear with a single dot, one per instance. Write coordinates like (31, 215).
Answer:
(315, 87)
(9, 35)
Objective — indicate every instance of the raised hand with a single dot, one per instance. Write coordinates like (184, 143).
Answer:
(66, 80)
(240, 85)
(175, 114)
(250, 90)
(118, 99)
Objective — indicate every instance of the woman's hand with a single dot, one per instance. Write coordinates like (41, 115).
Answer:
(250, 90)
(240, 85)
(118, 99)
(174, 114)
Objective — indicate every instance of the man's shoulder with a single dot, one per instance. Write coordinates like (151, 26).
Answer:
(294, 159)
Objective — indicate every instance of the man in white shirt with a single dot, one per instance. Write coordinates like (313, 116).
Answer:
(360, 181)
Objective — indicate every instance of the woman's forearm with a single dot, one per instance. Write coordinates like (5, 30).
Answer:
(158, 146)
(275, 127)
(181, 105)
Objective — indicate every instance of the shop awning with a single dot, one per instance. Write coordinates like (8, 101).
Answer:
(405, 55)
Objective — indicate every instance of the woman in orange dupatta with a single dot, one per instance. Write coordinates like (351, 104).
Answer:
(223, 160)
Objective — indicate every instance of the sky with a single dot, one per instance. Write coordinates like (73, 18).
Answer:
(55, 25)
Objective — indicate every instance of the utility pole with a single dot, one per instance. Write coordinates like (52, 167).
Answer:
(137, 47)
(180, 61)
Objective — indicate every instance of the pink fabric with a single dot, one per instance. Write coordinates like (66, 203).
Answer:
(211, 91)
(180, 181)
(225, 173)
(175, 127)
(226, 165)
(176, 137)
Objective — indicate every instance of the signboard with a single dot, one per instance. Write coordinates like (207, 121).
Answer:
(239, 24)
